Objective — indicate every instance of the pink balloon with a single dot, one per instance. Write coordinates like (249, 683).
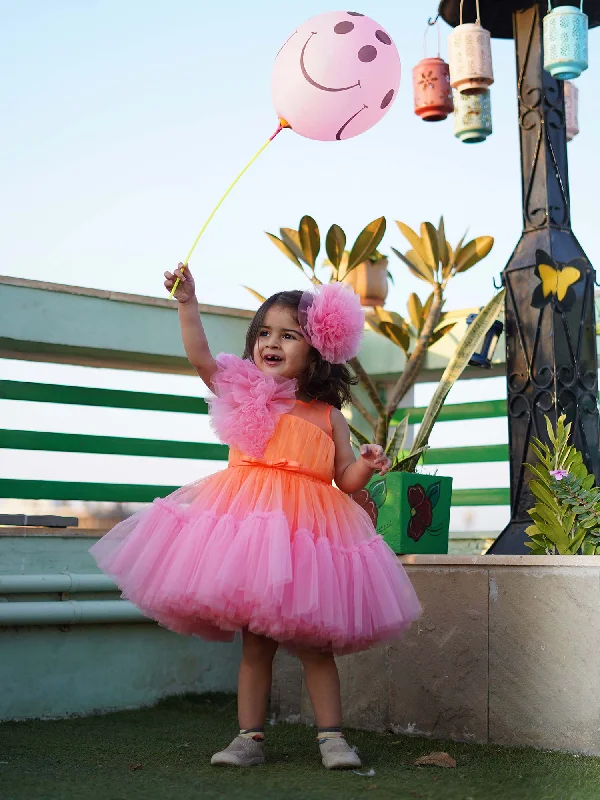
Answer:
(336, 76)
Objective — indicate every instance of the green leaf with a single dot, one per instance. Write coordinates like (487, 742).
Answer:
(461, 357)
(433, 493)
(360, 438)
(429, 238)
(335, 243)
(543, 458)
(535, 550)
(439, 333)
(366, 243)
(409, 462)
(471, 253)
(427, 308)
(291, 238)
(540, 473)
(414, 239)
(397, 439)
(458, 247)
(310, 240)
(378, 492)
(258, 296)
(533, 531)
(417, 267)
(285, 250)
(443, 247)
(550, 430)
(543, 494)
(390, 325)
(415, 311)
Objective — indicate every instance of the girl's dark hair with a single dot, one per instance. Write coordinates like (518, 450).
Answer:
(324, 381)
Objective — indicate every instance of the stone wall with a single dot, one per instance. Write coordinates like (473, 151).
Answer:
(63, 670)
(506, 652)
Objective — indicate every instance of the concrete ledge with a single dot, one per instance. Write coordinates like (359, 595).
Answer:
(506, 652)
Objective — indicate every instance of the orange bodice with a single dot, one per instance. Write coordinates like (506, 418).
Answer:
(301, 443)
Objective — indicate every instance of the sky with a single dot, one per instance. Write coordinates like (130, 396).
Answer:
(125, 121)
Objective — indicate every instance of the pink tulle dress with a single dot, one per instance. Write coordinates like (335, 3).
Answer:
(268, 544)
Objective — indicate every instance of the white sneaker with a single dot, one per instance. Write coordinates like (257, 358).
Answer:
(336, 753)
(241, 752)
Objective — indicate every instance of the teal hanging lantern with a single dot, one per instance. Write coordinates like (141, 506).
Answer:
(472, 117)
(565, 41)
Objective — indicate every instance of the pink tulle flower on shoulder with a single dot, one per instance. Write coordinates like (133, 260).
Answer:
(247, 404)
(333, 321)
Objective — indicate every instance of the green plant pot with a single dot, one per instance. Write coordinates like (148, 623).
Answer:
(411, 511)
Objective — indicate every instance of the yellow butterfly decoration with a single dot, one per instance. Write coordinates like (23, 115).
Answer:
(556, 281)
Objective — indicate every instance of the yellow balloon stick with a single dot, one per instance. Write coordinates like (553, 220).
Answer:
(282, 124)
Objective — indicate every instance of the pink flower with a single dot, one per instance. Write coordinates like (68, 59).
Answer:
(559, 474)
(333, 321)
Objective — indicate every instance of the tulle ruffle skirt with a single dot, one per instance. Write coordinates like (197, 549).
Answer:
(276, 552)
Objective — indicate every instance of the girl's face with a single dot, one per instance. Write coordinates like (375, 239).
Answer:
(280, 347)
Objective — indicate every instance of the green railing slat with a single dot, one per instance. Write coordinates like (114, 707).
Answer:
(481, 497)
(484, 409)
(110, 398)
(135, 493)
(111, 445)
(126, 446)
(117, 398)
(68, 490)
(467, 455)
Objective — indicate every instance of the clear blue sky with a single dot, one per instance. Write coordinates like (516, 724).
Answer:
(124, 121)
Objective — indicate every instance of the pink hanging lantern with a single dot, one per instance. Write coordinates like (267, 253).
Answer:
(571, 109)
(470, 56)
(431, 86)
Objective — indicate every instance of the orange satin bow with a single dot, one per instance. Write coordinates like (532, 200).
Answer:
(280, 463)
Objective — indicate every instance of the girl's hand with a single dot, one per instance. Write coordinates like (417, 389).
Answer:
(375, 457)
(186, 290)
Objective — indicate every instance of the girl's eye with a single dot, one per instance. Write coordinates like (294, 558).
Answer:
(290, 336)
(264, 333)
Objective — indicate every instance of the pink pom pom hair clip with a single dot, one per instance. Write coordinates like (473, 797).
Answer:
(332, 320)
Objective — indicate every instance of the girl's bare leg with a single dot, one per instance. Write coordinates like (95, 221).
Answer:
(254, 681)
(323, 685)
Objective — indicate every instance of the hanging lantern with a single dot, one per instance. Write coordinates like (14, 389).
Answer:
(485, 355)
(571, 109)
(565, 41)
(431, 85)
(470, 56)
(472, 117)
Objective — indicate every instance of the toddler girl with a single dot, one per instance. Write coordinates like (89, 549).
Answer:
(268, 546)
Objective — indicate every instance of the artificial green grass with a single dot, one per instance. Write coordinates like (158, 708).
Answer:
(164, 752)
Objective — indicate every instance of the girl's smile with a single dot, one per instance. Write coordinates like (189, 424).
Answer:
(280, 346)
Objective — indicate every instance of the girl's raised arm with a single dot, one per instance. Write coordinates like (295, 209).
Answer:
(351, 473)
(194, 339)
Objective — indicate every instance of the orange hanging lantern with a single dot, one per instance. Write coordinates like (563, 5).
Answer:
(431, 85)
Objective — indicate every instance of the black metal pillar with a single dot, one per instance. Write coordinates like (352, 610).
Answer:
(551, 358)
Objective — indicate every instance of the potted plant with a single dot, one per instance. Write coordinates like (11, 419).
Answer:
(369, 279)
(425, 498)
(411, 509)
(566, 516)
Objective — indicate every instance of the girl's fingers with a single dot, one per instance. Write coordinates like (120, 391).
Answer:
(168, 276)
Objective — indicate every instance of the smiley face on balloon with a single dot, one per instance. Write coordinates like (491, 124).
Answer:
(336, 76)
